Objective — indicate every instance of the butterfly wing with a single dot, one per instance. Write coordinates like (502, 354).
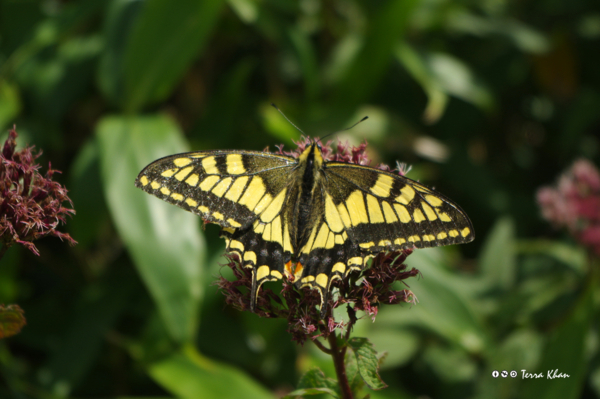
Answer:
(364, 211)
(230, 188)
(243, 191)
(357, 212)
(385, 211)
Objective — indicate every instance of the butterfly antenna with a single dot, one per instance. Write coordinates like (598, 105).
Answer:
(286, 118)
(362, 120)
(348, 128)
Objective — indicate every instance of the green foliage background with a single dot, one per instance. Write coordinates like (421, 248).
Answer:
(488, 100)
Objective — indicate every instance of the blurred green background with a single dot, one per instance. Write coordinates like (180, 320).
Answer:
(487, 100)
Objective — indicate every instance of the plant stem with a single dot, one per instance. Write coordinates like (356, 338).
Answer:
(338, 355)
(322, 347)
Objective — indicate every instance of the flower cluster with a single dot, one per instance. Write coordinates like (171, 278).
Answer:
(344, 153)
(575, 203)
(31, 205)
(360, 291)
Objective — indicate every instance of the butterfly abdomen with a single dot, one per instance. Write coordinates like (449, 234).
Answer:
(309, 163)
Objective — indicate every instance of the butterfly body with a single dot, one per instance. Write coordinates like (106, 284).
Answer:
(309, 219)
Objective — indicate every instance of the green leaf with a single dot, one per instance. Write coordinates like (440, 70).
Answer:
(163, 43)
(164, 241)
(189, 375)
(42, 34)
(143, 397)
(342, 57)
(437, 99)
(440, 75)
(497, 260)
(445, 302)
(352, 374)
(573, 256)
(56, 83)
(523, 37)
(459, 80)
(370, 64)
(451, 363)
(92, 214)
(246, 10)
(368, 363)
(399, 344)
(12, 320)
(315, 378)
(120, 19)
(277, 125)
(310, 391)
(11, 103)
(566, 352)
(445, 312)
(222, 114)
(308, 62)
(520, 350)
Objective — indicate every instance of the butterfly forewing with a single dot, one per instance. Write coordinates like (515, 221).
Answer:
(229, 188)
(384, 211)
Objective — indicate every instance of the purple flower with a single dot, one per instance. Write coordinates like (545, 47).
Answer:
(364, 291)
(31, 205)
(575, 203)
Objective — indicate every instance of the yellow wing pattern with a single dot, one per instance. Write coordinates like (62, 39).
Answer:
(314, 220)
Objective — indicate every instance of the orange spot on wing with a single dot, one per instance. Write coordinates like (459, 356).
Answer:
(293, 270)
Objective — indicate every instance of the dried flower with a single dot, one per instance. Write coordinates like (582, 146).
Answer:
(575, 203)
(31, 205)
(360, 291)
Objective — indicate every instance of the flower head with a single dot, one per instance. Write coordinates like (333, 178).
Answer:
(575, 203)
(31, 205)
(364, 291)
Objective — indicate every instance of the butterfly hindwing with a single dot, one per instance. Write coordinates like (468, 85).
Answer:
(262, 248)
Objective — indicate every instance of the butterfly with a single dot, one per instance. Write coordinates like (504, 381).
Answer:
(306, 218)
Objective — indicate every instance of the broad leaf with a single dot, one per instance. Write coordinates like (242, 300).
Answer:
(299, 393)
(497, 259)
(163, 43)
(189, 375)
(565, 354)
(164, 241)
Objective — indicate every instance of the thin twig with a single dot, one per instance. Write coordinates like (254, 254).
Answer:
(322, 347)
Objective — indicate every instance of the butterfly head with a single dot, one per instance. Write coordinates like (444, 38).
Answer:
(312, 155)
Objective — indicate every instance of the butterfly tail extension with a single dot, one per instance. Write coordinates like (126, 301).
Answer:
(324, 279)
(264, 258)
(324, 301)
